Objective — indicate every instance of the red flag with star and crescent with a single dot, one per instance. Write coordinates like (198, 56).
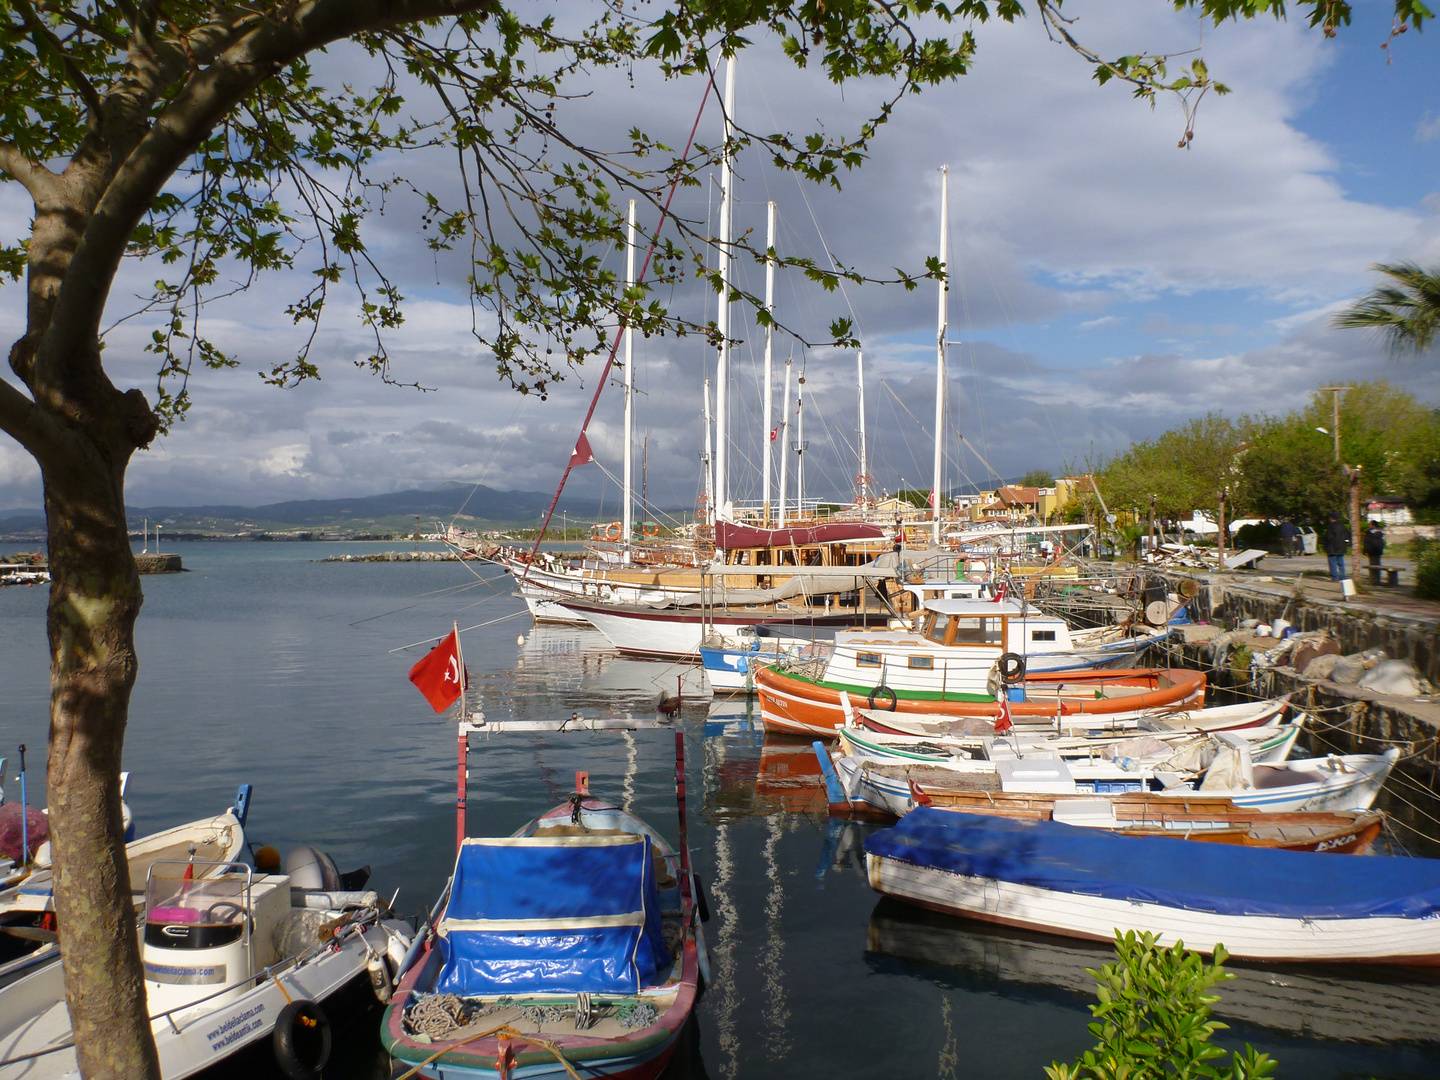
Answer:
(1003, 723)
(439, 674)
(582, 454)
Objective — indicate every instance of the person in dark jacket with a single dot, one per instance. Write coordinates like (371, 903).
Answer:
(1290, 542)
(1337, 536)
(1374, 543)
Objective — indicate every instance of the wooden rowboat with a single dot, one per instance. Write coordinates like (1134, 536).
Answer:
(792, 703)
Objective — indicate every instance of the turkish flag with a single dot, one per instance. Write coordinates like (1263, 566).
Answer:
(1003, 723)
(438, 675)
(774, 433)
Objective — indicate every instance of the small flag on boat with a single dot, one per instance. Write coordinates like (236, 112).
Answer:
(1002, 721)
(582, 454)
(439, 674)
(774, 433)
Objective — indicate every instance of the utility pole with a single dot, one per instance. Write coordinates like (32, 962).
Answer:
(1152, 522)
(1352, 472)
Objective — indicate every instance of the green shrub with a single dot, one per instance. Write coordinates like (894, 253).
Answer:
(1427, 568)
(1153, 1020)
(1260, 535)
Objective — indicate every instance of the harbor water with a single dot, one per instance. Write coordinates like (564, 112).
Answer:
(262, 665)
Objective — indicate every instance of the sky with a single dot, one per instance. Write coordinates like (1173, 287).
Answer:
(1107, 285)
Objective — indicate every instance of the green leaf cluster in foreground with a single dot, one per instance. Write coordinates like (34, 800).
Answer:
(1152, 1020)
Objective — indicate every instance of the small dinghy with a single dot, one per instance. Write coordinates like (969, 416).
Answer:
(1261, 904)
(569, 949)
(232, 956)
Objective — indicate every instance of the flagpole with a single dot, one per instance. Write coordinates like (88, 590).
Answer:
(462, 749)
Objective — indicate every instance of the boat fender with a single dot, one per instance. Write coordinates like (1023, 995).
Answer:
(301, 1040)
(311, 869)
(879, 692)
(379, 978)
(702, 902)
(1012, 667)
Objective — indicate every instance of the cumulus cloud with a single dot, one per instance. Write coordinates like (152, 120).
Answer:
(1105, 285)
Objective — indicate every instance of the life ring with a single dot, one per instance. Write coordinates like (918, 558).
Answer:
(883, 690)
(301, 1040)
(1012, 667)
(612, 531)
(650, 529)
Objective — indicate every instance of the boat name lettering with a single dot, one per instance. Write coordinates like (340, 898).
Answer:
(1335, 842)
(228, 1032)
(185, 976)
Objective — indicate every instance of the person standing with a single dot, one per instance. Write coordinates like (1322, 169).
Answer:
(1336, 537)
(1374, 542)
(1289, 538)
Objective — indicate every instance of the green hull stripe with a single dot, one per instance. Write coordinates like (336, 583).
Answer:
(863, 692)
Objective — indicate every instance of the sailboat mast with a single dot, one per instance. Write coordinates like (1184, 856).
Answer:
(627, 528)
(784, 443)
(862, 479)
(936, 489)
(722, 317)
(800, 446)
(769, 343)
(706, 461)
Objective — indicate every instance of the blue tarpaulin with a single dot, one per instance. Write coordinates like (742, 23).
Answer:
(1224, 878)
(552, 915)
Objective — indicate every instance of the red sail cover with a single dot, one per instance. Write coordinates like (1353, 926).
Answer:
(438, 675)
(728, 535)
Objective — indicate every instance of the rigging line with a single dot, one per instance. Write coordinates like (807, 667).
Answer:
(419, 603)
(904, 441)
(615, 345)
(1011, 323)
(987, 464)
(509, 430)
(463, 630)
(414, 596)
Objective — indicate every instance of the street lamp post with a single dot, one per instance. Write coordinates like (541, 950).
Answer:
(1352, 472)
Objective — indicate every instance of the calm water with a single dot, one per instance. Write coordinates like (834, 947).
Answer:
(262, 666)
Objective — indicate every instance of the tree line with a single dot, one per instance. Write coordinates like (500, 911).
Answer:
(1285, 466)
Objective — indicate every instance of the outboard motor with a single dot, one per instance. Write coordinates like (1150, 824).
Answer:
(309, 868)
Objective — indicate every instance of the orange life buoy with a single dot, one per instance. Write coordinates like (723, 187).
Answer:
(612, 531)
(650, 529)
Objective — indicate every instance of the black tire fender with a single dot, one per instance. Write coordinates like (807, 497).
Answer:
(877, 692)
(1012, 667)
(301, 1040)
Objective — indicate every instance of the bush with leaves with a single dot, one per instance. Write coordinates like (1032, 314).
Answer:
(1153, 1018)
(1427, 568)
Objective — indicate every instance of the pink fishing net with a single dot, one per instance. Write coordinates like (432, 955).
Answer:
(10, 841)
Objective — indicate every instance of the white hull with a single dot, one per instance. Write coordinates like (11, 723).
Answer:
(34, 1019)
(1381, 939)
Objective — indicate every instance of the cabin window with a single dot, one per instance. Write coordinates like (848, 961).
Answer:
(867, 659)
(1042, 635)
(924, 663)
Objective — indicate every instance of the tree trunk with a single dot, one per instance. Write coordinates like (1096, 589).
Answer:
(94, 598)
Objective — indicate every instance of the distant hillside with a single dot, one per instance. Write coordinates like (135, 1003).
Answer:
(392, 512)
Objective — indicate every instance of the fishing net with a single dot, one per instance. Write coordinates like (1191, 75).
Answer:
(10, 831)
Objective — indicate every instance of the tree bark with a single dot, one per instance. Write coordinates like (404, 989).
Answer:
(95, 597)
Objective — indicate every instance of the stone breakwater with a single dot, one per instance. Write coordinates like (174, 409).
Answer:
(397, 556)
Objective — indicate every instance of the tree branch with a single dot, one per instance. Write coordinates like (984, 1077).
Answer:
(32, 176)
(20, 418)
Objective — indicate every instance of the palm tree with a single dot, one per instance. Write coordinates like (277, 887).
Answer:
(1407, 309)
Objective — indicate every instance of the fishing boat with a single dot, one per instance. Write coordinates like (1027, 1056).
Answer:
(795, 703)
(232, 956)
(1213, 718)
(570, 948)
(1261, 904)
(1373, 1006)
(28, 932)
(1336, 783)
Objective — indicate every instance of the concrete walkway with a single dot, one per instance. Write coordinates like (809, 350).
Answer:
(1311, 573)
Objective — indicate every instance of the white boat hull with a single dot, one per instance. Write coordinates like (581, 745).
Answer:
(34, 1019)
(1379, 939)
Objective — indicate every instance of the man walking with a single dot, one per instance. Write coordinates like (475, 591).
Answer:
(1374, 543)
(1336, 537)
(1289, 538)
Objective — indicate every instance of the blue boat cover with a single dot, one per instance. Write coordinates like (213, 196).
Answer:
(1227, 879)
(548, 915)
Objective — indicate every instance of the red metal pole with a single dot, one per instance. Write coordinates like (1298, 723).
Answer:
(463, 759)
(687, 898)
(615, 345)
